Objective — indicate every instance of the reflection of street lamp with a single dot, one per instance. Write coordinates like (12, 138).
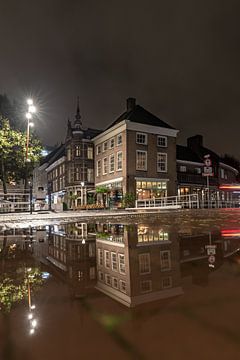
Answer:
(82, 189)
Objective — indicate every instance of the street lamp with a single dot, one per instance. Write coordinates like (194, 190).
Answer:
(31, 110)
(82, 195)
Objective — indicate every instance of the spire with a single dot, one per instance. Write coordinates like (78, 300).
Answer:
(78, 122)
(69, 129)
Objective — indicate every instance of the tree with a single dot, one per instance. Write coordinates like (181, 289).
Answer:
(13, 154)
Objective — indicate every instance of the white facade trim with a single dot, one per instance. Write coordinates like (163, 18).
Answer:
(110, 181)
(150, 129)
(149, 179)
(110, 133)
(56, 163)
(228, 167)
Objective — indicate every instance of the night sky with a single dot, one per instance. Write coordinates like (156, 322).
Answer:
(180, 59)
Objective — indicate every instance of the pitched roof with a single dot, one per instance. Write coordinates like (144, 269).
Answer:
(90, 133)
(139, 115)
(60, 151)
(185, 153)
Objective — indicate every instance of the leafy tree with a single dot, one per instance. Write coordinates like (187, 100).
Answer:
(13, 154)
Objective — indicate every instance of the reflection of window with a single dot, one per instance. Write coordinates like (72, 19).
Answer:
(119, 160)
(91, 249)
(122, 286)
(121, 259)
(167, 282)
(100, 257)
(141, 138)
(183, 168)
(100, 276)
(146, 286)
(162, 141)
(111, 163)
(144, 263)
(115, 283)
(145, 234)
(108, 279)
(165, 260)
(141, 160)
(114, 261)
(92, 273)
(107, 259)
(161, 162)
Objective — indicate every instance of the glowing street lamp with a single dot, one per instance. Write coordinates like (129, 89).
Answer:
(31, 110)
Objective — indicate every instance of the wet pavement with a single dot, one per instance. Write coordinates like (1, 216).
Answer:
(140, 288)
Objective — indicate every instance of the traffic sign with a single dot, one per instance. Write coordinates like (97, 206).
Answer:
(211, 259)
(211, 249)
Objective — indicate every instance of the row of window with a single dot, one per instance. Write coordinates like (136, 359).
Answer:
(145, 262)
(111, 260)
(109, 144)
(80, 151)
(142, 138)
(141, 161)
(112, 281)
(108, 164)
(146, 285)
(58, 171)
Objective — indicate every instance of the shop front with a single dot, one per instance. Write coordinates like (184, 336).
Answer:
(149, 189)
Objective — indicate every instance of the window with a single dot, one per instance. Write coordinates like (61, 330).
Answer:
(198, 170)
(98, 167)
(119, 139)
(112, 143)
(141, 138)
(167, 282)
(114, 261)
(100, 276)
(77, 150)
(119, 160)
(90, 175)
(122, 286)
(77, 173)
(162, 141)
(183, 168)
(100, 257)
(108, 279)
(98, 149)
(90, 152)
(161, 162)
(141, 160)
(92, 273)
(104, 166)
(146, 286)
(222, 173)
(115, 283)
(69, 154)
(105, 146)
(91, 250)
(121, 261)
(165, 260)
(111, 163)
(107, 259)
(144, 264)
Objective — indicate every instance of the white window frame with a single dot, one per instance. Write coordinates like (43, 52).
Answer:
(140, 262)
(145, 136)
(150, 287)
(100, 257)
(107, 261)
(162, 137)
(98, 149)
(111, 143)
(183, 168)
(105, 143)
(119, 136)
(119, 153)
(112, 156)
(166, 162)
(99, 166)
(107, 276)
(104, 171)
(115, 262)
(78, 150)
(163, 261)
(113, 279)
(120, 286)
(138, 152)
(121, 266)
(90, 152)
(169, 286)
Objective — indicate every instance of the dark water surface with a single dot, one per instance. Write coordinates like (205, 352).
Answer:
(165, 287)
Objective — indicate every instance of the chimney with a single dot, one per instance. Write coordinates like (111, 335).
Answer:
(131, 103)
(195, 142)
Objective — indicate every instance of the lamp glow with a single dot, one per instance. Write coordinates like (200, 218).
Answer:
(29, 102)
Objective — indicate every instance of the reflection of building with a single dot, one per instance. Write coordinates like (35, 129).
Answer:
(136, 154)
(190, 167)
(72, 252)
(137, 263)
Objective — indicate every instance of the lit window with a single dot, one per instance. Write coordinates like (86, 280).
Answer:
(77, 173)
(69, 154)
(165, 260)
(162, 141)
(112, 143)
(198, 170)
(78, 150)
(167, 282)
(115, 283)
(111, 163)
(104, 166)
(141, 160)
(105, 146)
(119, 160)
(90, 152)
(122, 286)
(114, 261)
(183, 168)
(141, 138)
(90, 175)
(146, 286)
(144, 264)
(161, 162)
(98, 167)
(119, 139)
(121, 261)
